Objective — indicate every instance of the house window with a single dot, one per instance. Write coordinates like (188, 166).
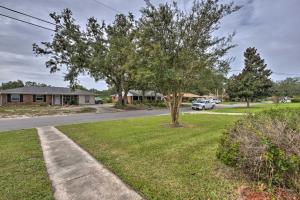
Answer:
(15, 98)
(87, 99)
(39, 98)
(135, 98)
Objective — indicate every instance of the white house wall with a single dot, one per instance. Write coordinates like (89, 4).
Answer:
(82, 100)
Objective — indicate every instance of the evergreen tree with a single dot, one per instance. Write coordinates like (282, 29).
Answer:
(254, 81)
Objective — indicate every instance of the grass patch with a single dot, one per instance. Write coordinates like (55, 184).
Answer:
(22, 169)
(162, 162)
(257, 108)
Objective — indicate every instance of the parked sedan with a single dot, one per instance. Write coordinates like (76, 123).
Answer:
(217, 101)
(202, 105)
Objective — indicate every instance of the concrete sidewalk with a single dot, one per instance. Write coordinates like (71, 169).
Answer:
(77, 175)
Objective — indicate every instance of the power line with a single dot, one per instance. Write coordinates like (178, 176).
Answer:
(107, 6)
(277, 73)
(286, 74)
(27, 15)
(27, 22)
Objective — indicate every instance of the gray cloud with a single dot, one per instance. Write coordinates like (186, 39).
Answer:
(271, 26)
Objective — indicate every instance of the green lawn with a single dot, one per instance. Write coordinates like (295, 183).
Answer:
(162, 162)
(257, 108)
(22, 169)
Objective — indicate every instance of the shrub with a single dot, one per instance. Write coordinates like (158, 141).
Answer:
(295, 100)
(265, 146)
(73, 102)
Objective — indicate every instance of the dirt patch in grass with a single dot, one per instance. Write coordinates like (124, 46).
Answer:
(181, 125)
(32, 111)
(260, 192)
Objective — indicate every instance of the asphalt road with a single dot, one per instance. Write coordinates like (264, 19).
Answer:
(25, 123)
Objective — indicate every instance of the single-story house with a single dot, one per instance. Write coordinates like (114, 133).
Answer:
(189, 97)
(46, 95)
(137, 95)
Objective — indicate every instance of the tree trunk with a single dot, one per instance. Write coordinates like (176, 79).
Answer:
(174, 103)
(143, 96)
(125, 98)
(248, 102)
(120, 98)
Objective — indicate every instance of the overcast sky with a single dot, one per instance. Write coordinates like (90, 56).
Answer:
(272, 26)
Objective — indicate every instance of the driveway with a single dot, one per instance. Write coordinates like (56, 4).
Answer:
(25, 123)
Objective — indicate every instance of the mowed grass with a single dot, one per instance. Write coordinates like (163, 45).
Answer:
(22, 170)
(257, 108)
(159, 161)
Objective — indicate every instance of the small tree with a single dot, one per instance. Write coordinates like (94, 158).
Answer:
(179, 47)
(254, 81)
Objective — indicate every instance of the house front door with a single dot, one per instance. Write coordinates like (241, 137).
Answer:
(57, 99)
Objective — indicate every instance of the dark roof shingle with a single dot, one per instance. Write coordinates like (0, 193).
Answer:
(45, 90)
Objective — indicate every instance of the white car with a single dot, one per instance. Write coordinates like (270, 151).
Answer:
(216, 101)
(202, 105)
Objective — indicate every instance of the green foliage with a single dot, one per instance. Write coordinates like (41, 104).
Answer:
(172, 48)
(254, 81)
(32, 83)
(228, 151)
(79, 87)
(19, 83)
(295, 100)
(179, 49)
(73, 102)
(281, 163)
(103, 51)
(287, 88)
(12, 85)
(265, 146)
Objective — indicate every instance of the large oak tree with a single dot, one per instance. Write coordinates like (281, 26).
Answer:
(102, 51)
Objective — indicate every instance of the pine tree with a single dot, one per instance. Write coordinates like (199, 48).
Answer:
(254, 81)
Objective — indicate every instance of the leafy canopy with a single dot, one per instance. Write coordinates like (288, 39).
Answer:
(179, 47)
(103, 51)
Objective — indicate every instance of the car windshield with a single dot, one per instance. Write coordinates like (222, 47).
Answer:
(200, 101)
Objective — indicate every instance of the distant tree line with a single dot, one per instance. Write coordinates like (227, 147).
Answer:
(290, 87)
(19, 83)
